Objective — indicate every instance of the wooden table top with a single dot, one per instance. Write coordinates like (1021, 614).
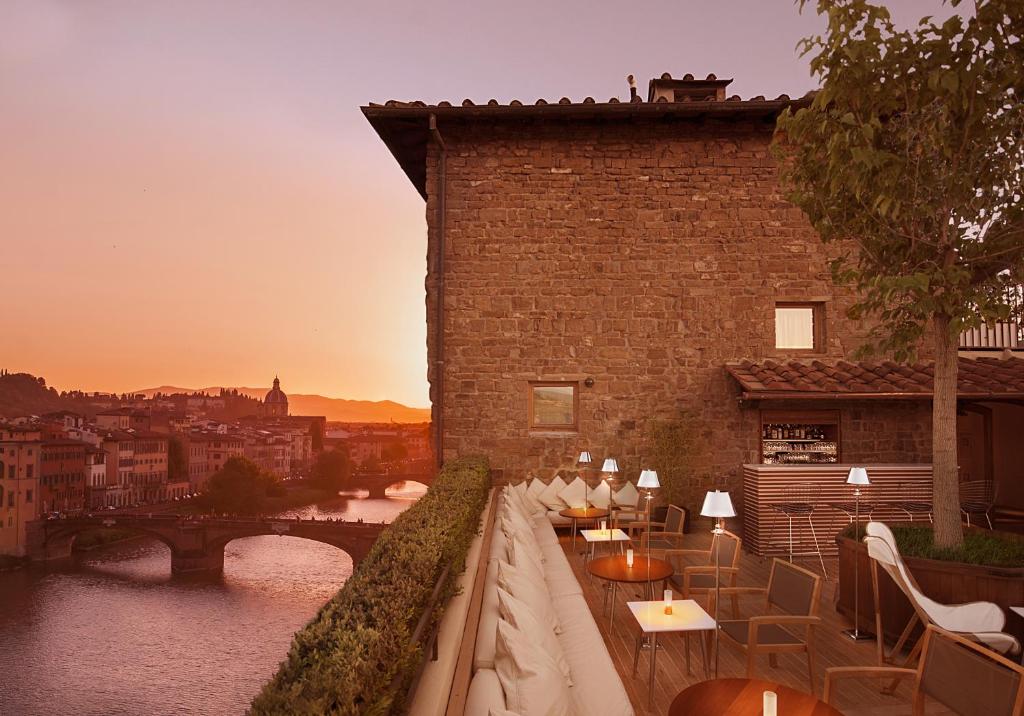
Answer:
(614, 569)
(584, 513)
(745, 697)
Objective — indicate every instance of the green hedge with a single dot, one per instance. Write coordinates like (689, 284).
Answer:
(346, 659)
(989, 549)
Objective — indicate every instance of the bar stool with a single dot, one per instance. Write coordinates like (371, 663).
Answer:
(910, 507)
(799, 502)
(849, 509)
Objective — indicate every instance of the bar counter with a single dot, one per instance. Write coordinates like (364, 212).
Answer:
(766, 532)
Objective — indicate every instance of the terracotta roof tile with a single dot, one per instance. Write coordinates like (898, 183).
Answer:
(978, 378)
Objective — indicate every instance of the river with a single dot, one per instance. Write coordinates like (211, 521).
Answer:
(112, 632)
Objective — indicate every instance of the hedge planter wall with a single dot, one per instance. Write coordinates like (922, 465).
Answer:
(943, 581)
(348, 658)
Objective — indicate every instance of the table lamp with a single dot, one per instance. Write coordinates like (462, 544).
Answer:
(858, 477)
(717, 504)
(583, 462)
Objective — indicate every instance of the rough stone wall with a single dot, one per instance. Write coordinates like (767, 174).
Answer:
(643, 255)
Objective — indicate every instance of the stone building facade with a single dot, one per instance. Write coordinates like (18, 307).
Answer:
(630, 250)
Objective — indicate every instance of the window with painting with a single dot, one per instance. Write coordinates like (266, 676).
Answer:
(553, 406)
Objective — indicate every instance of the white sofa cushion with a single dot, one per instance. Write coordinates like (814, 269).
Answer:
(558, 574)
(519, 615)
(556, 519)
(520, 585)
(544, 532)
(485, 694)
(549, 497)
(575, 493)
(597, 688)
(627, 496)
(601, 495)
(530, 678)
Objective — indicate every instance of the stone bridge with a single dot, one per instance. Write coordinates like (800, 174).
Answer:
(197, 544)
(377, 483)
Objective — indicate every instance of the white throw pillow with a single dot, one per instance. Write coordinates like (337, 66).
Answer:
(524, 557)
(627, 496)
(601, 495)
(575, 493)
(532, 506)
(549, 497)
(532, 683)
(526, 536)
(520, 585)
(535, 487)
(519, 615)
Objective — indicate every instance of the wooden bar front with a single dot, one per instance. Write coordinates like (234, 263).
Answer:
(766, 532)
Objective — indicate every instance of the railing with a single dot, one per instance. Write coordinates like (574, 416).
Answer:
(1001, 334)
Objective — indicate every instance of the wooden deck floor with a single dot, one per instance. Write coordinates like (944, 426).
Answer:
(855, 697)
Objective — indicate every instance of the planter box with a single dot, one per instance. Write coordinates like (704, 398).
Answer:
(945, 582)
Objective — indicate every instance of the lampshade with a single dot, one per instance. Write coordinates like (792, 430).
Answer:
(584, 458)
(610, 465)
(858, 476)
(717, 504)
(648, 479)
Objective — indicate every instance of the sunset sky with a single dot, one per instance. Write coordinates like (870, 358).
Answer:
(190, 195)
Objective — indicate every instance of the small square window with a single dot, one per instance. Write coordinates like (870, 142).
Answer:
(800, 326)
(553, 406)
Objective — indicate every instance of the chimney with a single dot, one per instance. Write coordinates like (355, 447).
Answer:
(632, 88)
(688, 89)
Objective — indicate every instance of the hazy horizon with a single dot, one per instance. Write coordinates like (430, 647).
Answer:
(190, 190)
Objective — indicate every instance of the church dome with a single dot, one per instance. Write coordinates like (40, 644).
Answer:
(276, 396)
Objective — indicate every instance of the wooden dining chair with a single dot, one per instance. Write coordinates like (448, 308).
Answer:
(698, 580)
(791, 600)
(960, 674)
(663, 535)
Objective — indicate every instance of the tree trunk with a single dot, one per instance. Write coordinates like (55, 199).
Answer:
(945, 471)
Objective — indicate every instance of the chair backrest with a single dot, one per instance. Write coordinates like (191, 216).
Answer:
(728, 546)
(792, 589)
(801, 493)
(968, 678)
(977, 491)
(675, 519)
(882, 548)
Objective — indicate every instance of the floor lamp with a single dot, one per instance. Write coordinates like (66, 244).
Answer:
(610, 468)
(858, 476)
(717, 504)
(583, 462)
(648, 481)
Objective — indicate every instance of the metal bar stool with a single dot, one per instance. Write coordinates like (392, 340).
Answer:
(799, 502)
(848, 509)
(910, 503)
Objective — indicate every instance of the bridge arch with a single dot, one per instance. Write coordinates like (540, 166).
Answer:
(59, 541)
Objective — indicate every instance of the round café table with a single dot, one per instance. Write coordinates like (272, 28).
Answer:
(586, 514)
(645, 570)
(745, 697)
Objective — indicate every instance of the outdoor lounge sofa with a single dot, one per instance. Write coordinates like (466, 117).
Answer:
(595, 685)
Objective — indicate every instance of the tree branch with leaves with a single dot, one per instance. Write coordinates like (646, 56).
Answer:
(911, 155)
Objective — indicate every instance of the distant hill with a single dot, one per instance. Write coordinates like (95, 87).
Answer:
(24, 394)
(335, 409)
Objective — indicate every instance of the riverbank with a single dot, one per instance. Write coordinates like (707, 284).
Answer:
(293, 498)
